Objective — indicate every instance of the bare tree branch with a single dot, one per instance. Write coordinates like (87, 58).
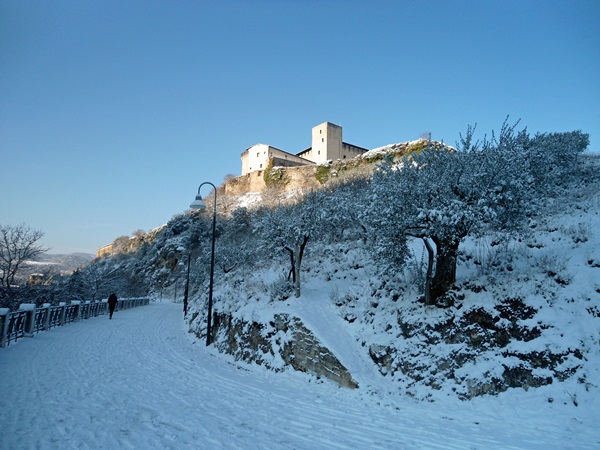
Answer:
(18, 243)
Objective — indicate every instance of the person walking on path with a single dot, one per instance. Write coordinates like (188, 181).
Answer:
(112, 304)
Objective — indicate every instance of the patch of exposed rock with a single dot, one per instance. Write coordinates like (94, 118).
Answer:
(284, 341)
(475, 334)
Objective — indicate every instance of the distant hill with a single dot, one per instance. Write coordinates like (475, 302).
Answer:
(53, 264)
(69, 261)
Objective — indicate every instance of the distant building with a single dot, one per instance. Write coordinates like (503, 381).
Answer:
(36, 279)
(327, 145)
(107, 250)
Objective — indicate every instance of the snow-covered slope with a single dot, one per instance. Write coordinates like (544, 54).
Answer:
(526, 315)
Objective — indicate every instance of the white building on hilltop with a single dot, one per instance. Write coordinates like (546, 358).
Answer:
(327, 145)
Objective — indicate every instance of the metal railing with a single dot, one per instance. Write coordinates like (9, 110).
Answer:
(40, 319)
(16, 325)
(55, 316)
(30, 319)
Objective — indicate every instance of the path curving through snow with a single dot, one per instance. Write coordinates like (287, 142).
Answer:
(138, 382)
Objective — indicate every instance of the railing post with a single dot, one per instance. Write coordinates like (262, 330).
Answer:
(77, 305)
(29, 318)
(3, 325)
(62, 313)
(47, 317)
(54, 316)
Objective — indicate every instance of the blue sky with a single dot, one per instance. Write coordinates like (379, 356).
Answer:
(113, 112)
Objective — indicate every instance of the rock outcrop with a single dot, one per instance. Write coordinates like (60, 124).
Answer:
(284, 342)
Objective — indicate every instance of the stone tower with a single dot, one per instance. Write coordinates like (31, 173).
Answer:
(326, 143)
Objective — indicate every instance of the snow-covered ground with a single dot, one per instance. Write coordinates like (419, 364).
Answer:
(140, 381)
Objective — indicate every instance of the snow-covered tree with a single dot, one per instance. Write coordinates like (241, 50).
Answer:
(344, 205)
(290, 227)
(95, 281)
(441, 196)
(18, 243)
(553, 156)
(234, 246)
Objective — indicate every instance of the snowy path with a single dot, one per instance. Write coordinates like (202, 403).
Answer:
(138, 382)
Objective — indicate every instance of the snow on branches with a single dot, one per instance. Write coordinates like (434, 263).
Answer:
(444, 195)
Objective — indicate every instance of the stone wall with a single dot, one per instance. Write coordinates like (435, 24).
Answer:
(285, 339)
(298, 178)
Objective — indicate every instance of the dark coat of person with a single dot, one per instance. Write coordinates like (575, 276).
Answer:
(112, 304)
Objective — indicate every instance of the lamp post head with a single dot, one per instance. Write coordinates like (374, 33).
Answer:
(198, 203)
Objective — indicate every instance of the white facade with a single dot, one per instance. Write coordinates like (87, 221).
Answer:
(256, 159)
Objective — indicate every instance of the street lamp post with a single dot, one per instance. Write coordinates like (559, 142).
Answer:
(187, 287)
(199, 204)
(187, 281)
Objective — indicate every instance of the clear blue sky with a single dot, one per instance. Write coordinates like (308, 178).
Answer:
(113, 112)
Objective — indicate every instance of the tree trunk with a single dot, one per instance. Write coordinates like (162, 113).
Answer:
(445, 268)
(297, 274)
(299, 254)
(292, 272)
(431, 254)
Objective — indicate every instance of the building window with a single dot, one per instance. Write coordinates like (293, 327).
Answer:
(258, 173)
(322, 139)
(261, 166)
(319, 152)
(257, 154)
(344, 157)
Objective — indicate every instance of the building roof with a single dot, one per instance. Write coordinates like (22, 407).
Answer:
(343, 143)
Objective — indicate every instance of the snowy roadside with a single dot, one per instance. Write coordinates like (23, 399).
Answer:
(139, 382)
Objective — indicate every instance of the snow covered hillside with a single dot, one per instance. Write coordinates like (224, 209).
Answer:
(522, 315)
(526, 314)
